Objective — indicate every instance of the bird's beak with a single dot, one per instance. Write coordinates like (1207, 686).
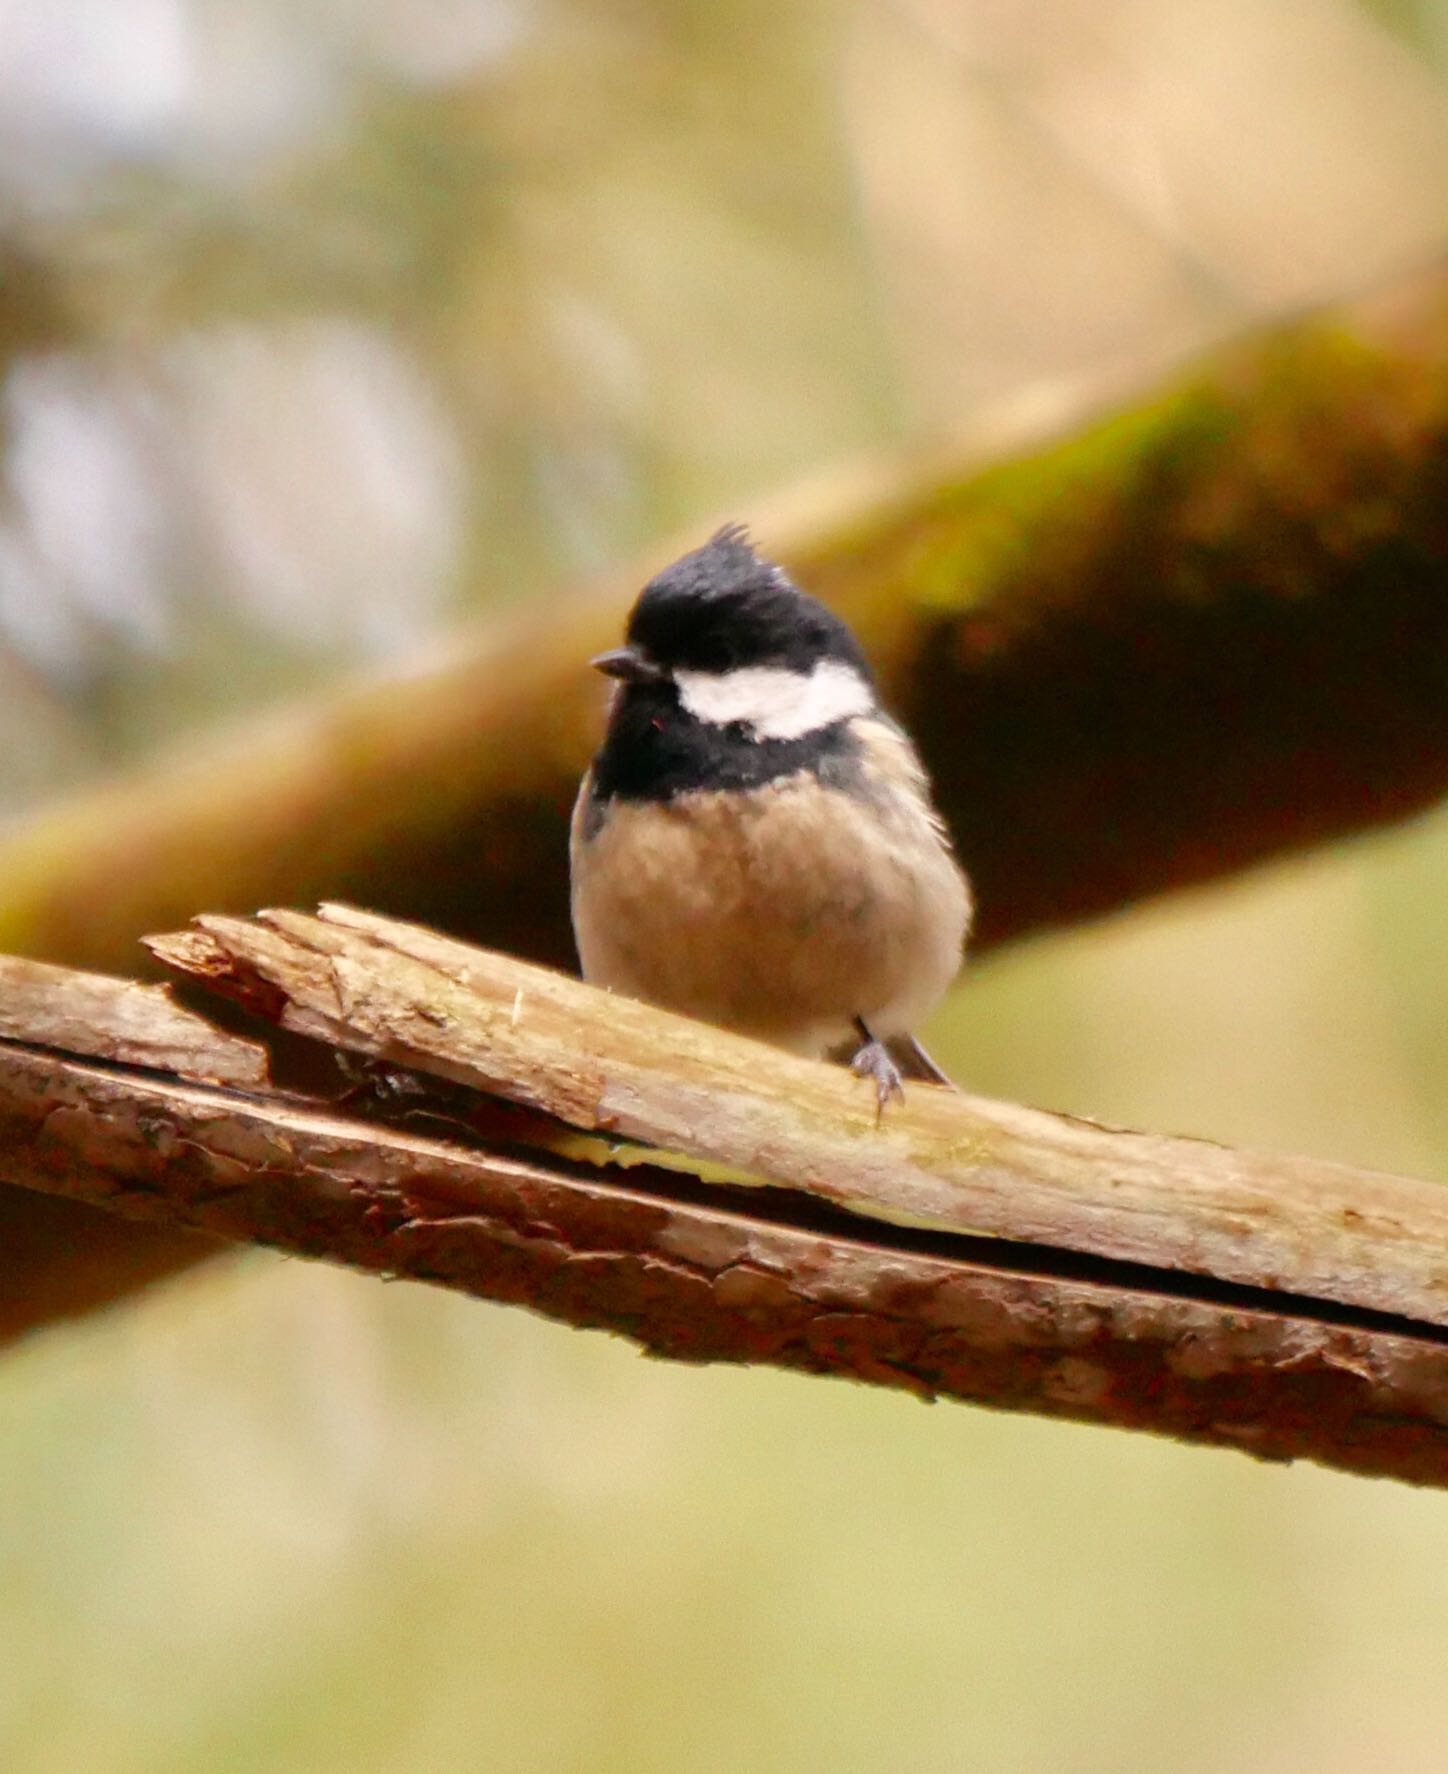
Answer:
(628, 665)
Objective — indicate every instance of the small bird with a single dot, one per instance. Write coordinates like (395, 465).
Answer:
(754, 843)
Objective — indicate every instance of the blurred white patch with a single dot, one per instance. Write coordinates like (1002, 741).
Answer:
(206, 85)
(81, 538)
(300, 476)
(324, 477)
(436, 40)
(34, 625)
(270, 75)
(91, 74)
(586, 467)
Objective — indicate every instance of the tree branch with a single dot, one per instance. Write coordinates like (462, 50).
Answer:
(1145, 650)
(1182, 630)
(610, 1165)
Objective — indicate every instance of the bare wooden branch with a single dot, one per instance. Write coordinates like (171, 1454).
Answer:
(716, 1201)
(136, 1025)
(944, 1161)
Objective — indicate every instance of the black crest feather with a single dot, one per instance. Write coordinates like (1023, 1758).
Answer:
(733, 532)
(723, 607)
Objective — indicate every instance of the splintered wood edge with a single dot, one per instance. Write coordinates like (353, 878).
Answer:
(198, 955)
(122, 1021)
(944, 1162)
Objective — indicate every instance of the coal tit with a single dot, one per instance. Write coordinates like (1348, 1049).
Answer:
(754, 844)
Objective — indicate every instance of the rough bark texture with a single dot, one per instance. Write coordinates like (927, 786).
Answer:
(1208, 629)
(601, 1233)
(943, 1162)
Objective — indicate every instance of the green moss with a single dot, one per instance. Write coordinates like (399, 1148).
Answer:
(975, 540)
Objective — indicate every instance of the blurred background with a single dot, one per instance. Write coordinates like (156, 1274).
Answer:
(327, 324)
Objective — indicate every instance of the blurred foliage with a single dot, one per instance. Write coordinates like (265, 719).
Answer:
(321, 323)
(1423, 24)
(438, 335)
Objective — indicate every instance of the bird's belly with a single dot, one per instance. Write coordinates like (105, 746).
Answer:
(785, 913)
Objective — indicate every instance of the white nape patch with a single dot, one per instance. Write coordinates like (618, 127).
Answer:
(777, 704)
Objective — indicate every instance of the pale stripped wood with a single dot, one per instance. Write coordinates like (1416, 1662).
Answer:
(121, 1020)
(944, 1160)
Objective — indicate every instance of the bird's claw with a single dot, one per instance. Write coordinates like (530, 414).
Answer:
(873, 1061)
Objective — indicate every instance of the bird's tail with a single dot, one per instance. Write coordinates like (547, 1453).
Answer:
(915, 1062)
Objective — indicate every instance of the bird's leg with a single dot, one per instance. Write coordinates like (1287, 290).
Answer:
(873, 1061)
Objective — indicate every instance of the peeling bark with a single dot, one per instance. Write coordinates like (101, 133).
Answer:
(944, 1162)
(791, 1264)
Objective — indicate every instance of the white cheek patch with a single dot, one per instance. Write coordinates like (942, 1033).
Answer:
(777, 704)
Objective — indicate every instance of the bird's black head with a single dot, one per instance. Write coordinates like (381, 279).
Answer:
(722, 608)
(731, 678)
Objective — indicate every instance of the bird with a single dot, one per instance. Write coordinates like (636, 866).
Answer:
(755, 844)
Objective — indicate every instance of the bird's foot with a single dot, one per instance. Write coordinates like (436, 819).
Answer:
(873, 1061)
